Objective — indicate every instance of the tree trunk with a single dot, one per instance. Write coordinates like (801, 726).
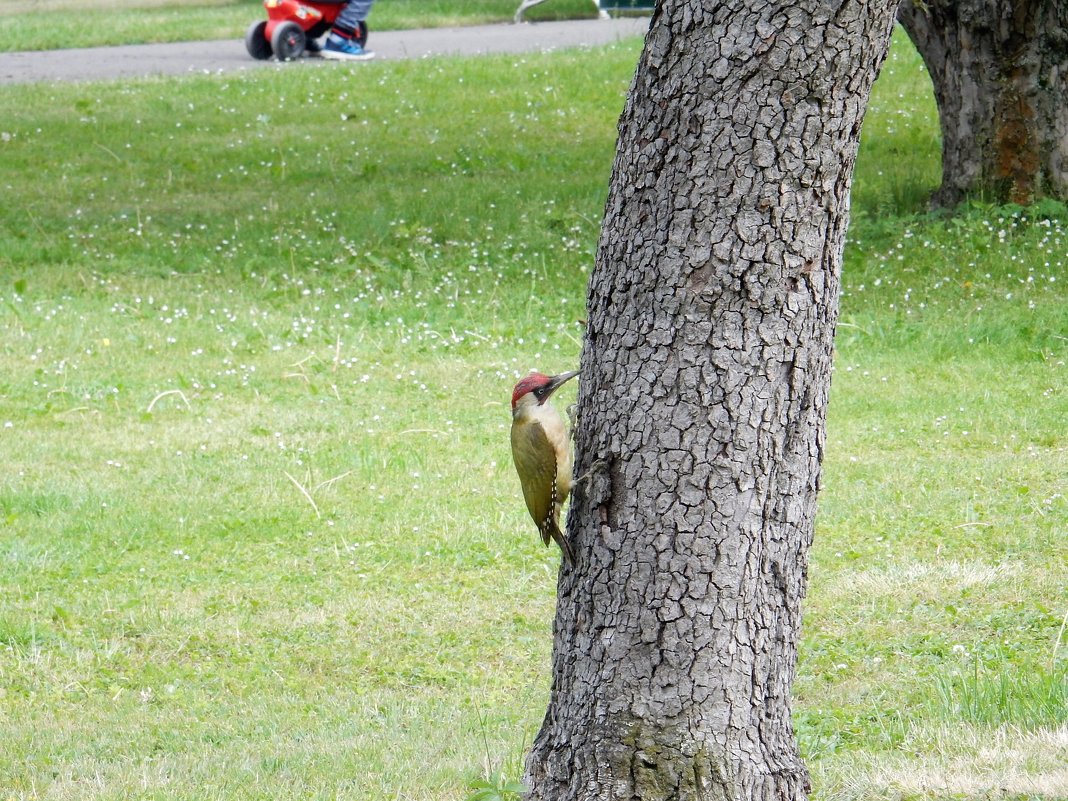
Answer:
(705, 375)
(1000, 74)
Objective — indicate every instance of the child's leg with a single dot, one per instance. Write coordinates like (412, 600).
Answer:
(348, 22)
(347, 37)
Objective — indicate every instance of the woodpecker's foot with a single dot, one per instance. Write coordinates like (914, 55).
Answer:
(599, 489)
(600, 466)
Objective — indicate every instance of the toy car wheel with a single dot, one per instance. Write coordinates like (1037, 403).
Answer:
(287, 41)
(256, 42)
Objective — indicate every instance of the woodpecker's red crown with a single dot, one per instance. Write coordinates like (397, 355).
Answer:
(530, 383)
(541, 385)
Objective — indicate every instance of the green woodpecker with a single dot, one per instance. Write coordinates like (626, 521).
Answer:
(541, 453)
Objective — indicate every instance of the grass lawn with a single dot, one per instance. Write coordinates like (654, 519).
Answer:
(50, 24)
(260, 536)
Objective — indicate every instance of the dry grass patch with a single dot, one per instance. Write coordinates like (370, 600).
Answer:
(915, 578)
(960, 762)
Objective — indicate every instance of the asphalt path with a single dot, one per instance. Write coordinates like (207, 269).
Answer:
(140, 61)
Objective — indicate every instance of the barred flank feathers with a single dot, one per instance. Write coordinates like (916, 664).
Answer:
(550, 529)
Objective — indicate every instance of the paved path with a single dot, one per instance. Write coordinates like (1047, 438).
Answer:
(135, 61)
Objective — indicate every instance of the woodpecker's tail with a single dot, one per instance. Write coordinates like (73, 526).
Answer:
(561, 540)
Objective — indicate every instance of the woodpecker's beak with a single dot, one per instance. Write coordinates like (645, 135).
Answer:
(558, 381)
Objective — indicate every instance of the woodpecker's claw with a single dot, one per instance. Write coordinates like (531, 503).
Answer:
(599, 466)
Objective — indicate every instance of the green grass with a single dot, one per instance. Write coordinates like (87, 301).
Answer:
(259, 532)
(1002, 696)
(50, 24)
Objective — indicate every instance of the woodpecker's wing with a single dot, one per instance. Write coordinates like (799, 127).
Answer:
(535, 461)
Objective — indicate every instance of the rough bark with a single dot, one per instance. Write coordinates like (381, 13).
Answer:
(1000, 75)
(705, 376)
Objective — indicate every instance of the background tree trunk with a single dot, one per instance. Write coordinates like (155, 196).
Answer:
(1000, 74)
(705, 375)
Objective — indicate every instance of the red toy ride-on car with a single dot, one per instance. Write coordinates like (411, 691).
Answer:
(291, 25)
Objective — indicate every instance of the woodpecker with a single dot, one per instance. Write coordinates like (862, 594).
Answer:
(541, 453)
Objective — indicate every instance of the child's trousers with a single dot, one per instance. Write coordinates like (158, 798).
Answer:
(353, 14)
